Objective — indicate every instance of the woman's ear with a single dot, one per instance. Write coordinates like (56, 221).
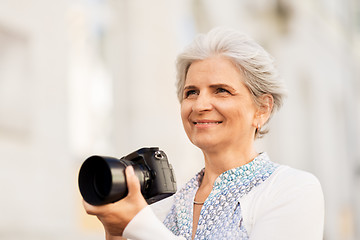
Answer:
(264, 110)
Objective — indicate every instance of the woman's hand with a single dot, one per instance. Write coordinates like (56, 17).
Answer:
(115, 216)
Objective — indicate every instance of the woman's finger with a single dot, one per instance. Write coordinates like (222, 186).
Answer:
(93, 210)
(90, 209)
(132, 182)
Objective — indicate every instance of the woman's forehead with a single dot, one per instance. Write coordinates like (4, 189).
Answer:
(214, 71)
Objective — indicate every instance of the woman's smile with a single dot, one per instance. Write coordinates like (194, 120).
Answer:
(206, 123)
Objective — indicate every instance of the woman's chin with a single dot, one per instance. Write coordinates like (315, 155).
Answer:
(206, 145)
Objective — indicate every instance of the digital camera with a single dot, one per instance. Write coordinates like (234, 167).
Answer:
(102, 179)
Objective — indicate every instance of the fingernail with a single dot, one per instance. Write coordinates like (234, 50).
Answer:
(130, 170)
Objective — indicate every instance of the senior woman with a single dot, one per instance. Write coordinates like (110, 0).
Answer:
(228, 90)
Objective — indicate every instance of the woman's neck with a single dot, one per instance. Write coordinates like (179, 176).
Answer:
(217, 162)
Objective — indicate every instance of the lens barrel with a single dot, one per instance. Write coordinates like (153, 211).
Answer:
(102, 180)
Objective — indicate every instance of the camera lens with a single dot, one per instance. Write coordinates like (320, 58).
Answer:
(102, 180)
(102, 183)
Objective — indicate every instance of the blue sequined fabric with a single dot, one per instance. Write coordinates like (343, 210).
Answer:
(220, 216)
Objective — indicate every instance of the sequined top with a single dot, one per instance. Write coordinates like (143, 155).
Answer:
(221, 216)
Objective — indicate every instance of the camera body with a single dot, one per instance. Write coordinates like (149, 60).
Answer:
(102, 179)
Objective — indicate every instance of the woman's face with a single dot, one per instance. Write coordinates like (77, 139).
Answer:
(217, 108)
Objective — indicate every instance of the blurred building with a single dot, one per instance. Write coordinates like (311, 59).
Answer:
(97, 77)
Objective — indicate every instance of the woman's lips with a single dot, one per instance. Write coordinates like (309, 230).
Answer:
(206, 123)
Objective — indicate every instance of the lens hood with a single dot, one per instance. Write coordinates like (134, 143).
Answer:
(102, 180)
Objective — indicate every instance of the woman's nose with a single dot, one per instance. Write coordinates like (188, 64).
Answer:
(202, 103)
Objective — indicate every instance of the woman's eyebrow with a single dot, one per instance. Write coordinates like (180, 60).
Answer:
(189, 87)
(221, 85)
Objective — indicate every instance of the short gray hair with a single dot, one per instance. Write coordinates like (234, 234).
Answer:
(257, 65)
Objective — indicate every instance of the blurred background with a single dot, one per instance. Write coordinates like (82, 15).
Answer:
(86, 77)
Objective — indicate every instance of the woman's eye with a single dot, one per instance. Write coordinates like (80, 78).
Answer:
(189, 93)
(222, 90)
